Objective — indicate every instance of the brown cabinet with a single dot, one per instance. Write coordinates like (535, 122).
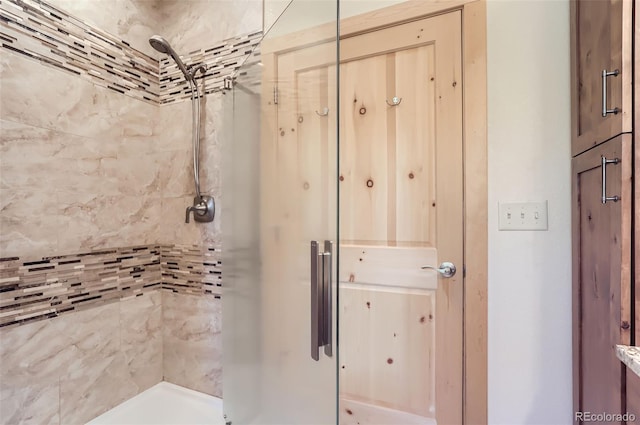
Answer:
(601, 35)
(601, 273)
(633, 394)
(602, 81)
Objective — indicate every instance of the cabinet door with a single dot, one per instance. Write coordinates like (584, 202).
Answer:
(601, 274)
(601, 35)
(633, 393)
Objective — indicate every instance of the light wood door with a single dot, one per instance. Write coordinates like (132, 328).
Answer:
(601, 38)
(401, 207)
(601, 275)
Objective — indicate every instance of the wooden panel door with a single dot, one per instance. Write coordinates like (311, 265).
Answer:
(601, 39)
(401, 207)
(601, 275)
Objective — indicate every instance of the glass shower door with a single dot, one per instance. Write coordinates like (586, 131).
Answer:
(280, 228)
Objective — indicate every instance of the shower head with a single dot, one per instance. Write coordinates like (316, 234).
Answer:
(163, 46)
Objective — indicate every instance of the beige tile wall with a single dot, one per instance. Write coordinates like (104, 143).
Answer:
(192, 341)
(83, 167)
(72, 368)
(134, 21)
(190, 25)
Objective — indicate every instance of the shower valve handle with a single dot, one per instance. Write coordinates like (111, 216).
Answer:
(200, 209)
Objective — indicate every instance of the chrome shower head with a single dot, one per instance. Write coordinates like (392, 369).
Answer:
(163, 46)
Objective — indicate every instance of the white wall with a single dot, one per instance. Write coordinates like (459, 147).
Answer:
(529, 160)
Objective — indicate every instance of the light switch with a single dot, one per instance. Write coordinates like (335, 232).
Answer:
(523, 216)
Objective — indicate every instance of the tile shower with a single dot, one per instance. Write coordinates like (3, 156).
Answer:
(104, 290)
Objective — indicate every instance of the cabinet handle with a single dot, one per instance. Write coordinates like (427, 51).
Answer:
(606, 198)
(605, 110)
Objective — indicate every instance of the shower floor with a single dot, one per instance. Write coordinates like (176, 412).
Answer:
(165, 404)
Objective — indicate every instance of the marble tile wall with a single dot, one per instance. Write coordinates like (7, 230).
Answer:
(175, 127)
(191, 25)
(131, 20)
(84, 168)
(48, 34)
(81, 166)
(69, 369)
(80, 334)
(54, 37)
(192, 341)
(74, 150)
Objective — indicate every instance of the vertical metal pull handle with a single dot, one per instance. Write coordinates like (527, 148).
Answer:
(316, 299)
(327, 274)
(606, 198)
(605, 75)
(321, 306)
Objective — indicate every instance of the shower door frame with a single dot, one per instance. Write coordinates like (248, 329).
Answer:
(474, 98)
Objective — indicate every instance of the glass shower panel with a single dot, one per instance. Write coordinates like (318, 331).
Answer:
(280, 195)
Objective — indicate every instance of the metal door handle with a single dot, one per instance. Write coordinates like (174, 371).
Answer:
(606, 198)
(316, 299)
(446, 269)
(321, 307)
(605, 75)
(327, 306)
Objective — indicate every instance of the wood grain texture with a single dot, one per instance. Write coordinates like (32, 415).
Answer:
(388, 170)
(364, 182)
(476, 218)
(389, 357)
(402, 170)
(633, 393)
(636, 174)
(388, 266)
(474, 58)
(601, 302)
(354, 412)
(415, 145)
(601, 38)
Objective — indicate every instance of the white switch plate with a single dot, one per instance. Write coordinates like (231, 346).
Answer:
(523, 216)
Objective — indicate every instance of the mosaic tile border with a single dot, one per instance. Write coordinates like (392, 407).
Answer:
(32, 290)
(223, 61)
(192, 270)
(42, 32)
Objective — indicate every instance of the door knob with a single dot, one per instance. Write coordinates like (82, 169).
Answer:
(446, 269)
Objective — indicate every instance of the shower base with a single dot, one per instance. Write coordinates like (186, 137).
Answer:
(165, 404)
